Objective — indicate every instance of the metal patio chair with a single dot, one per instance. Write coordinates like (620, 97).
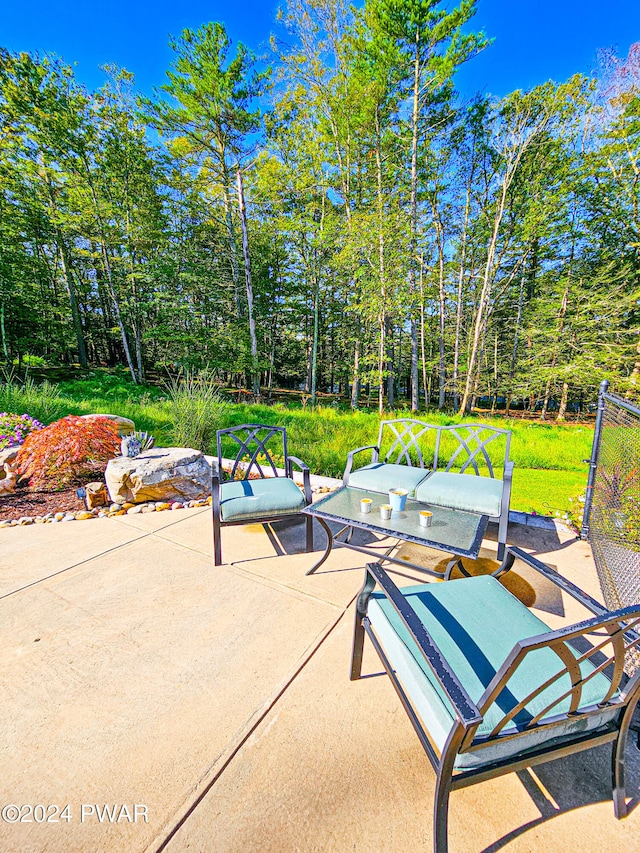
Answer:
(488, 687)
(254, 490)
(398, 460)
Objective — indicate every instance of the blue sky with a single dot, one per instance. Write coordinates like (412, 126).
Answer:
(535, 40)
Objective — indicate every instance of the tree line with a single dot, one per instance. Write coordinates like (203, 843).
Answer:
(333, 216)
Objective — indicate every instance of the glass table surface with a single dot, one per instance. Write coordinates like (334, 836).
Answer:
(451, 530)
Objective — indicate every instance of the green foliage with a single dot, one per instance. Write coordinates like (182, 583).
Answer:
(44, 401)
(69, 451)
(197, 410)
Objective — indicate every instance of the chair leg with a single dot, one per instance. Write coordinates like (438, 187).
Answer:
(617, 768)
(309, 524)
(502, 534)
(441, 814)
(217, 541)
(357, 649)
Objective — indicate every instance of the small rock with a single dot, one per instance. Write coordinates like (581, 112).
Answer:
(68, 518)
(127, 505)
(176, 505)
(114, 507)
(83, 515)
(59, 516)
(39, 520)
(102, 514)
(133, 510)
(149, 508)
(26, 519)
(53, 521)
(5, 524)
(162, 505)
(48, 515)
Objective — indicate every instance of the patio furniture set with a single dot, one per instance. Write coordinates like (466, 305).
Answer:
(488, 687)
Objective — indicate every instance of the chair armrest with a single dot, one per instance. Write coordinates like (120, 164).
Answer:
(464, 707)
(507, 475)
(306, 475)
(550, 574)
(352, 453)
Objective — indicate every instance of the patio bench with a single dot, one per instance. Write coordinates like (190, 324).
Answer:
(454, 455)
(488, 687)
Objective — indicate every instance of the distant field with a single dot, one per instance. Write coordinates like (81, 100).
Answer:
(549, 475)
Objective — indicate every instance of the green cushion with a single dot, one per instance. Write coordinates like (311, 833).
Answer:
(257, 498)
(462, 491)
(382, 476)
(475, 623)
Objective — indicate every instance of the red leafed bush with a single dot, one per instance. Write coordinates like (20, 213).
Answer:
(67, 452)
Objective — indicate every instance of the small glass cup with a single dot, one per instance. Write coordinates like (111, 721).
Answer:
(426, 518)
(365, 505)
(385, 512)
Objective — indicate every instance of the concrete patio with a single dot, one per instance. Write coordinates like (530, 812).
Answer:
(217, 701)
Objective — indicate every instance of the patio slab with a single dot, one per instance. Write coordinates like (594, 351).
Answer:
(30, 554)
(336, 766)
(219, 699)
(132, 678)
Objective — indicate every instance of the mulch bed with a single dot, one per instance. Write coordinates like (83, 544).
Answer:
(24, 502)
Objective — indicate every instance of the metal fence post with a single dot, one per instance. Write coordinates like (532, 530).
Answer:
(593, 462)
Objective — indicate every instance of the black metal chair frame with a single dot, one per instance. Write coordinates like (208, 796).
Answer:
(252, 440)
(473, 440)
(617, 629)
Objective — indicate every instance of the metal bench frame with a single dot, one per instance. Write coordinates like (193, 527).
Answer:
(616, 627)
(409, 437)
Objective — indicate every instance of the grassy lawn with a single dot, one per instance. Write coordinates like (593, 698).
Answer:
(549, 470)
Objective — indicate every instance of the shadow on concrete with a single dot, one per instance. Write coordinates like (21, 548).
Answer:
(573, 782)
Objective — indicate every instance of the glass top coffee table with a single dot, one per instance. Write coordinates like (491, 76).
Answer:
(452, 530)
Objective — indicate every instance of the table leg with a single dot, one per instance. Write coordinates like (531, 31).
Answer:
(452, 564)
(327, 549)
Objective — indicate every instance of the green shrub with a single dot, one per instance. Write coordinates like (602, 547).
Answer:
(43, 401)
(196, 411)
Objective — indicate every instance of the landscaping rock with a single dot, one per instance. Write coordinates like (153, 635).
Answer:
(125, 425)
(7, 457)
(96, 495)
(83, 515)
(160, 474)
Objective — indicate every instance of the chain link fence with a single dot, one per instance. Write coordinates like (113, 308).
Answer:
(612, 506)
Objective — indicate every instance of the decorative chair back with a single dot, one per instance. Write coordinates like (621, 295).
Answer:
(412, 442)
(616, 630)
(249, 442)
(404, 435)
(471, 448)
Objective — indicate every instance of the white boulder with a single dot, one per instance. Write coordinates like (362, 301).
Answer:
(160, 474)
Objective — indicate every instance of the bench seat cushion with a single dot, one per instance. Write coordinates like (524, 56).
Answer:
(462, 491)
(382, 476)
(475, 623)
(257, 498)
